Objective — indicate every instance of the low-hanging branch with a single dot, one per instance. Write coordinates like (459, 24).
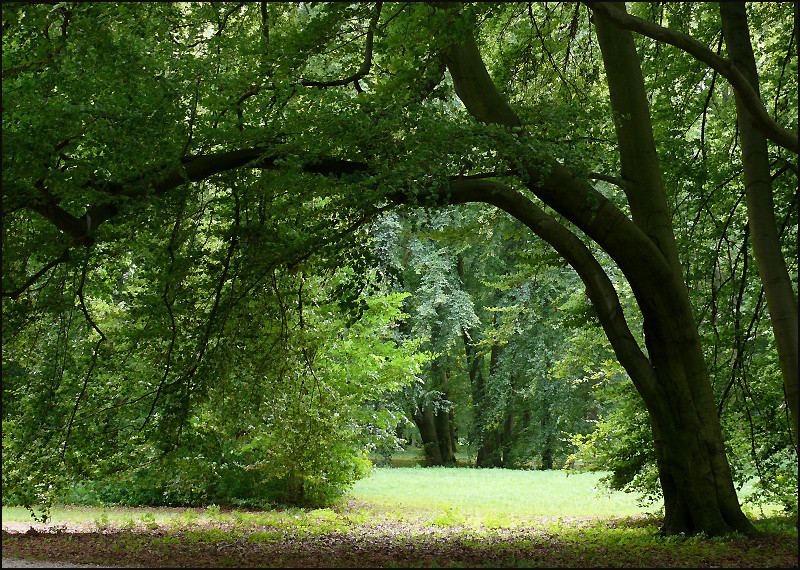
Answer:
(190, 169)
(14, 293)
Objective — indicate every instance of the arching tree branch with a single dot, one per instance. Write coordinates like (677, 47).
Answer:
(750, 99)
(598, 286)
(189, 169)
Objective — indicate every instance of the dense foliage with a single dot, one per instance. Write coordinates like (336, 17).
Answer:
(236, 259)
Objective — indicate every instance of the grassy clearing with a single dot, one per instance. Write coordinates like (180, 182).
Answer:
(405, 517)
(474, 494)
(495, 492)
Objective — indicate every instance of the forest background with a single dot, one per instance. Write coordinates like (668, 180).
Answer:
(244, 244)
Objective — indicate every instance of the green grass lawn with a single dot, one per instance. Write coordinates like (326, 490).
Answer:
(495, 492)
(401, 517)
(427, 492)
(478, 496)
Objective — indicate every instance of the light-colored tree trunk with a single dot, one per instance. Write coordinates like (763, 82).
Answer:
(781, 299)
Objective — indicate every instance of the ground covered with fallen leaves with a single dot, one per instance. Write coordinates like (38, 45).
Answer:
(343, 540)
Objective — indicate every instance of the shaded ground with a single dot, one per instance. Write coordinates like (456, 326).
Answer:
(23, 563)
(564, 543)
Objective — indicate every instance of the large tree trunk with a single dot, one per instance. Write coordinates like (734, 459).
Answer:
(699, 495)
(437, 431)
(673, 380)
(426, 423)
(781, 300)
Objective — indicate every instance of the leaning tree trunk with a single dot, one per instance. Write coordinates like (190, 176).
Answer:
(781, 300)
(699, 495)
(673, 380)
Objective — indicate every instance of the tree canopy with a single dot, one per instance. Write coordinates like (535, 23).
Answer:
(260, 234)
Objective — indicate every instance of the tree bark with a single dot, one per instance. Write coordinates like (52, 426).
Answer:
(781, 299)
(424, 419)
(688, 437)
(673, 380)
(437, 432)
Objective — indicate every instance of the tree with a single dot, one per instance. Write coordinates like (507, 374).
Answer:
(755, 126)
(280, 115)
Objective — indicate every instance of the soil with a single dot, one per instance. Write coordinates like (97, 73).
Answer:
(386, 544)
(22, 563)
(39, 527)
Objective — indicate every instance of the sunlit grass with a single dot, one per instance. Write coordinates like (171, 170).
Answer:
(444, 496)
(494, 492)
(141, 516)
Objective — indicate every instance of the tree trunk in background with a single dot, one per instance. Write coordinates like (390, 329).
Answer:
(445, 432)
(547, 446)
(438, 435)
(436, 427)
(426, 423)
(508, 430)
(490, 453)
(492, 441)
(781, 299)
(487, 446)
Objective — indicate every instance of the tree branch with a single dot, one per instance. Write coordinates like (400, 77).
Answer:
(598, 286)
(607, 178)
(552, 182)
(35, 277)
(365, 65)
(11, 72)
(752, 102)
(189, 169)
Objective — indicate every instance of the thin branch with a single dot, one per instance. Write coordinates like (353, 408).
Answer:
(752, 102)
(80, 396)
(365, 65)
(607, 178)
(174, 328)
(35, 277)
(83, 302)
(13, 71)
(708, 100)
